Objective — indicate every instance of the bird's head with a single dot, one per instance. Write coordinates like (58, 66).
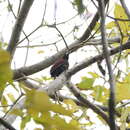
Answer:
(66, 56)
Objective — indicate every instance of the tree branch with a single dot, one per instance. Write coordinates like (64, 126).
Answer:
(46, 63)
(49, 88)
(96, 109)
(106, 54)
(19, 26)
(61, 97)
(6, 124)
(91, 25)
(87, 62)
(19, 73)
(31, 85)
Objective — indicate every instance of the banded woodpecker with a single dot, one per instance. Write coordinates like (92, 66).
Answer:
(59, 66)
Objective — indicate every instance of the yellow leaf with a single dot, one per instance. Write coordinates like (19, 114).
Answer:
(75, 124)
(5, 70)
(127, 52)
(71, 105)
(40, 52)
(4, 56)
(38, 101)
(57, 108)
(111, 25)
(120, 13)
(17, 112)
(123, 89)
(125, 39)
(124, 115)
(61, 124)
(97, 27)
(4, 103)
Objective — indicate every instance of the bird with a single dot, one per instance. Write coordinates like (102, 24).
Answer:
(59, 66)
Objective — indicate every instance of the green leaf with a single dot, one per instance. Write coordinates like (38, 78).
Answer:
(100, 93)
(80, 6)
(25, 120)
(94, 75)
(86, 83)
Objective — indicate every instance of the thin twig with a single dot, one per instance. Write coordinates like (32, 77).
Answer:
(38, 27)
(54, 26)
(26, 56)
(62, 37)
(118, 19)
(13, 105)
(49, 44)
(93, 42)
(30, 34)
(20, 2)
(44, 12)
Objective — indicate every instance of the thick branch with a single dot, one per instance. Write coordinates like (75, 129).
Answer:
(31, 85)
(108, 63)
(6, 124)
(93, 60)
(46, 63)
(18, 73)
(19, 26)
(61, 97)
(91, 26)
